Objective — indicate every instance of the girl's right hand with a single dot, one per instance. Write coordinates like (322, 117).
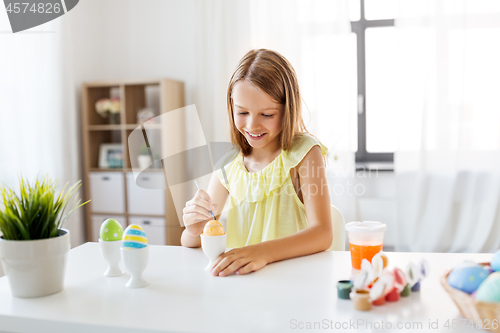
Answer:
(196, 213)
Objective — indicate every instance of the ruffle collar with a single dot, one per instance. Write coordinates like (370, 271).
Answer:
(256, 186)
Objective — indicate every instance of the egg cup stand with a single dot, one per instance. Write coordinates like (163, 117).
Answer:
(110, 250)
(470, 308)
(213, 247)
(135, 261)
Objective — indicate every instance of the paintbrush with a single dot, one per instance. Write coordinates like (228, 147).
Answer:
(198, 186)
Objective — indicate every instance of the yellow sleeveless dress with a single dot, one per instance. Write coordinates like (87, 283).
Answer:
(264, 205)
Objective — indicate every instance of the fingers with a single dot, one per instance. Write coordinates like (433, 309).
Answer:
(238, 261)
(217, 261)
(203, 195)
(193, 218)
(234, 266)
(197, 201)
(227, 263)
(215, 208)
(199, 212)
(249, 268)
(197, 209)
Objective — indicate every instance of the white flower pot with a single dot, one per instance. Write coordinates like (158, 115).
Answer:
(35, 268)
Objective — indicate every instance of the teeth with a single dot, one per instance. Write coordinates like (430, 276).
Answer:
(256, 136)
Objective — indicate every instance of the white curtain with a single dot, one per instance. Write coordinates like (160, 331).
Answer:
(448, 159)
(39, 128)
(223, 33)
(315, 36)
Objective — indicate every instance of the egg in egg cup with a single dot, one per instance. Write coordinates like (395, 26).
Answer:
(110, 242)
(213, 242)
(135, 254)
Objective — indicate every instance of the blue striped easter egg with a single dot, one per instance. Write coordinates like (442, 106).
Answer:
(134, 237)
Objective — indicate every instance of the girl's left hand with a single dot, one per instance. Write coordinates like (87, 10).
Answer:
(241, 260)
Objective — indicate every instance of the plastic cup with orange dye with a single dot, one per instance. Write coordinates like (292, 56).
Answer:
(366, 239)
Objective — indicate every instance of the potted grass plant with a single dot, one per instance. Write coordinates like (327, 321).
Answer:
(33, 245)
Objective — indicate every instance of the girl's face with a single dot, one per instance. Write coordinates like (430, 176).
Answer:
(257, 116)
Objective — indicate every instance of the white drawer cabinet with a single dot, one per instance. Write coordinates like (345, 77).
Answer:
(145, 200)
(154, 227)
(107, 192)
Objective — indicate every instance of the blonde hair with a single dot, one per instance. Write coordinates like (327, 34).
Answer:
(274, 75)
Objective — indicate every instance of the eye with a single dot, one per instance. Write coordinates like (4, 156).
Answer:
(241, 112)
(267, 115)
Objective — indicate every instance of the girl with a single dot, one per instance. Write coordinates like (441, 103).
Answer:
(277, 183)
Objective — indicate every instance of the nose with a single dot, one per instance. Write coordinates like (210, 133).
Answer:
(253, 123)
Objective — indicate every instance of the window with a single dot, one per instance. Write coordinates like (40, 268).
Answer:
(372, 22)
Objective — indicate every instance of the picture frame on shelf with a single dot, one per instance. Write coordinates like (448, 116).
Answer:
(111, 156)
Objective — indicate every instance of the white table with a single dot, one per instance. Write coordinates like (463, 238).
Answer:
(182, 297)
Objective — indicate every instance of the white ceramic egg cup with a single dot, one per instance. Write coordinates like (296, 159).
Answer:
(136, 261)
(110, 251)
(213, 247)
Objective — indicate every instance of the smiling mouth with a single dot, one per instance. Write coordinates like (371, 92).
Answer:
(256, 136)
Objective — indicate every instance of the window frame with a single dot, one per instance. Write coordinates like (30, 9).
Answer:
(359, 28)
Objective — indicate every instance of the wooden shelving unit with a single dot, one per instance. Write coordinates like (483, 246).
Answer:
(163, 95)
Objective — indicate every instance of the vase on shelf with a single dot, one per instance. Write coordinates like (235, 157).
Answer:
(114, 118)
(144, 161)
